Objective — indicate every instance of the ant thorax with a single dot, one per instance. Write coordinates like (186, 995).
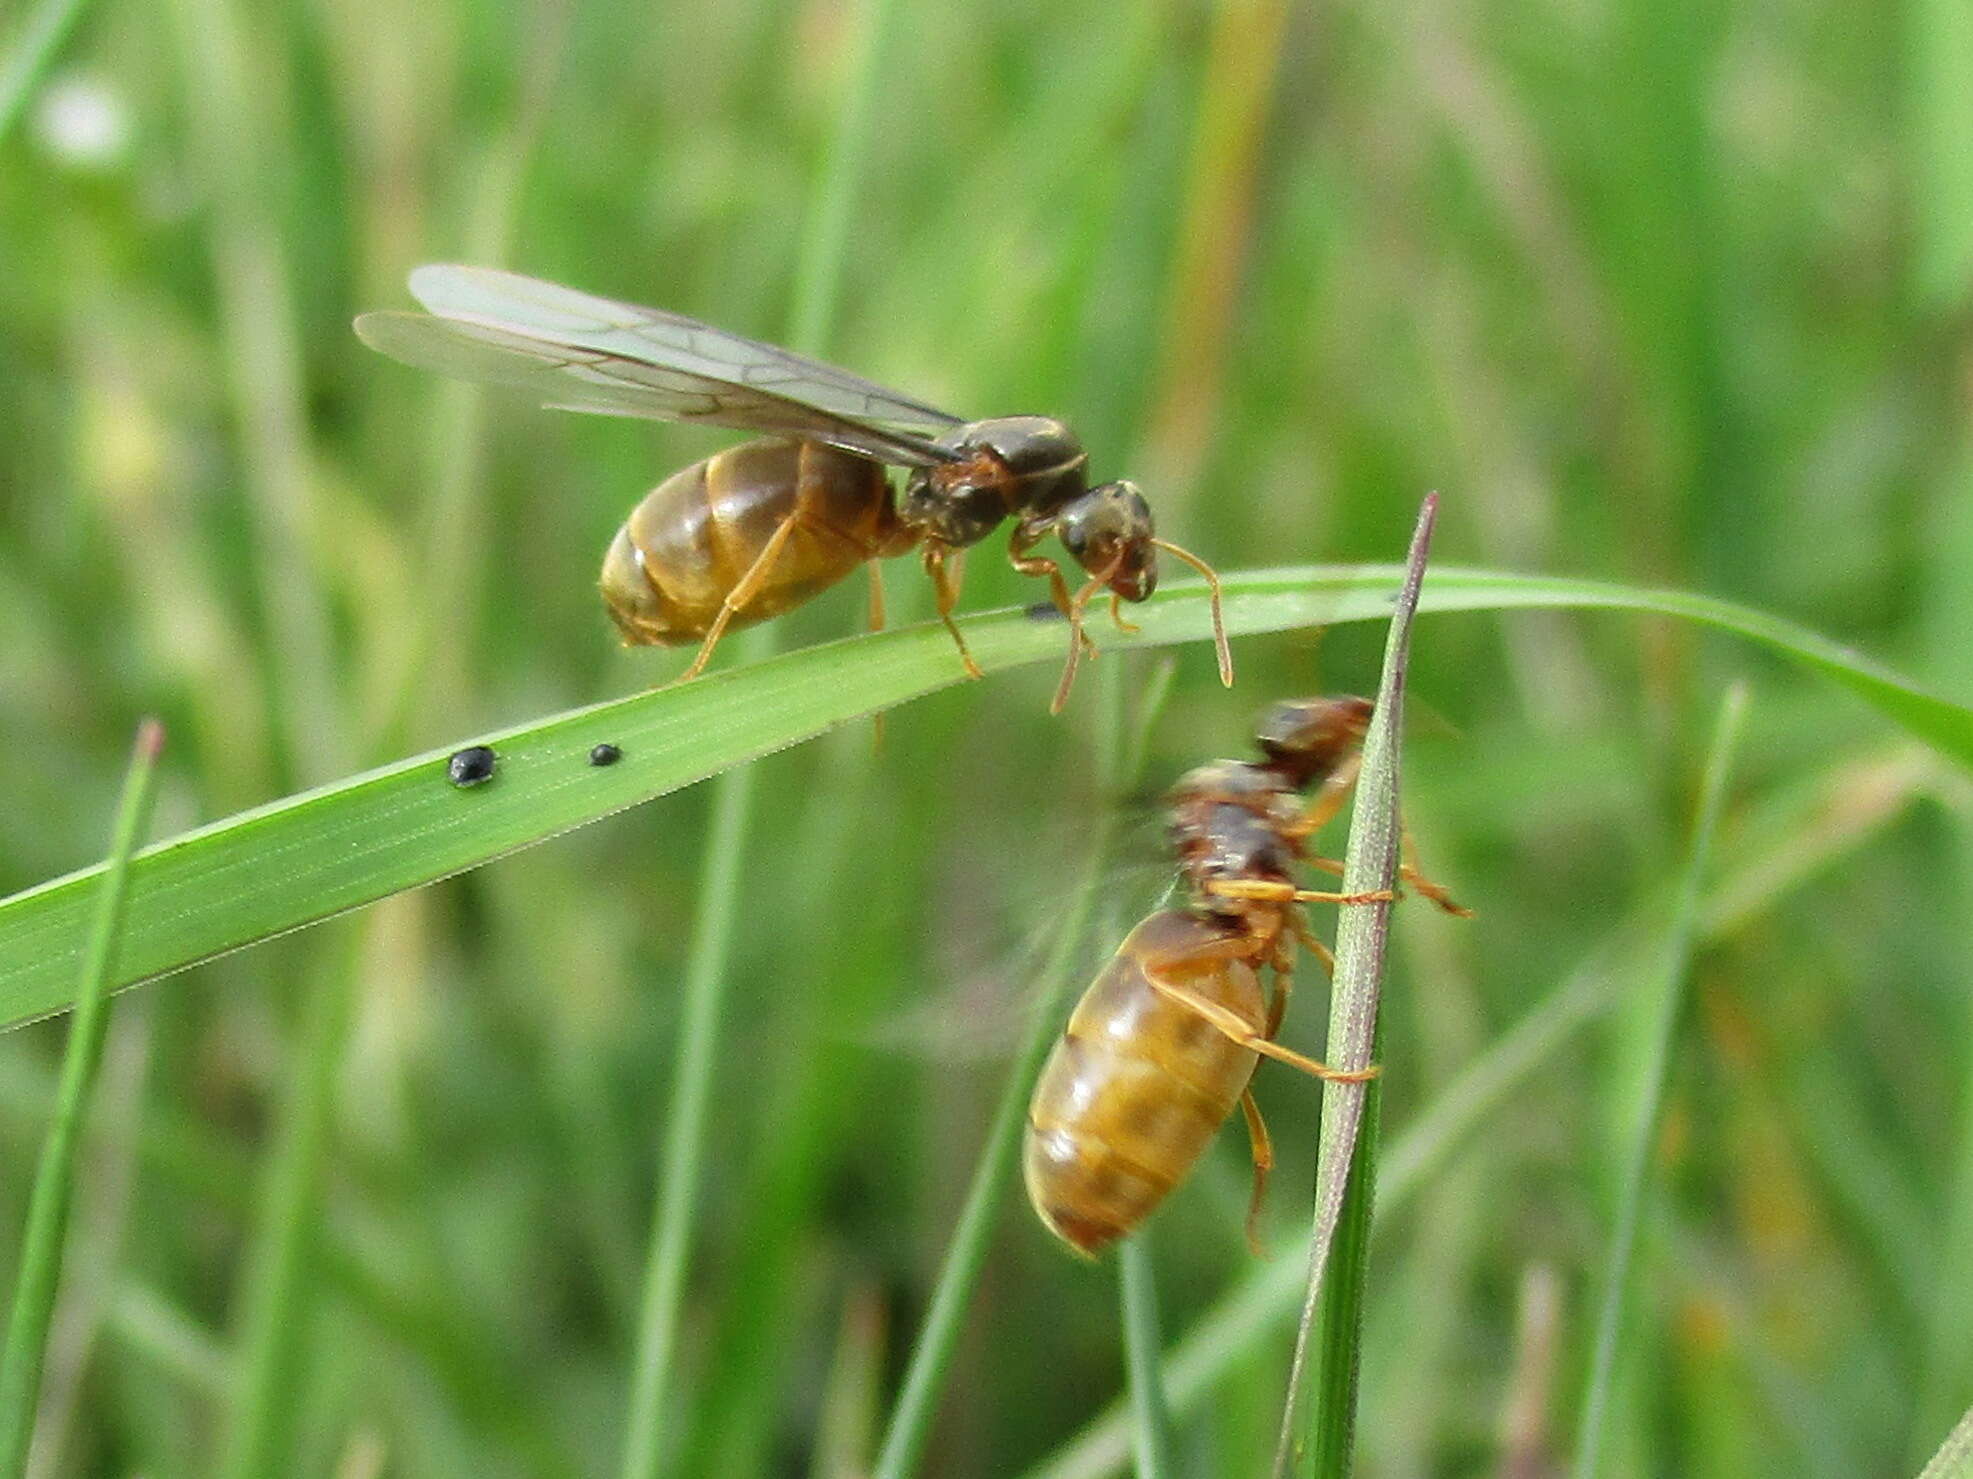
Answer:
(1025, 467)
(1231, 820)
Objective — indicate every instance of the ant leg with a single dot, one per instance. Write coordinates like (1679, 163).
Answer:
(1263, 1151)
(1267, 891)
(1041, 565)
(876, 595)
(1237, 1029)
(747, 588)
(876, 625)
(1407, 874)
(1117, 615)
(1058, 592)
(1078, 639)
(1409, 871)
(945, 582)
(1323, 954)
(1327, 800)
(1284, 984)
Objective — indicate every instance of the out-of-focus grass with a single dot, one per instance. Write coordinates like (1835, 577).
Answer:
(31, 1309)
(1667, 297)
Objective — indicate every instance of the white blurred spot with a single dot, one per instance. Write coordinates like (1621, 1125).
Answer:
(83, 123)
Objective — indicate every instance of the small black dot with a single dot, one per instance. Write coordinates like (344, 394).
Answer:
(1043, 611)
(472, 766)
(605, 754)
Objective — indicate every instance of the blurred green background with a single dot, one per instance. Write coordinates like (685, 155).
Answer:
(1667, 293)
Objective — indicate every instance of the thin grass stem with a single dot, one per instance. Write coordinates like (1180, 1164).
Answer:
(685, 1120)
(275, 1285)
(1345, 1177)
(1635, 1188)
(54, 1180)
(1151, 1421)
(818, 276)
(911, 1418)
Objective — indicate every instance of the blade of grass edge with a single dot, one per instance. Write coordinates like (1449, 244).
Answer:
(1370, 864)
(1636, 1184)
(1954, 1460)
(54, 1178)
(818, 274)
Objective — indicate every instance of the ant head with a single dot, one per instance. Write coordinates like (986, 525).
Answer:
(1308, 738)
(1109, 531)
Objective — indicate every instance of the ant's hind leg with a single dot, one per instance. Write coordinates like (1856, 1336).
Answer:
(743, 592)
(1263, 1151)
(1229, 1022)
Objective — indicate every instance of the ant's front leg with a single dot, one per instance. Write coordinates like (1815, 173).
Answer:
(1019, 554)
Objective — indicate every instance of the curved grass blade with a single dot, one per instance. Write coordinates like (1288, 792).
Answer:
(1346, 1166)
(306, 857)
(1656, 1064)
(54, 1179)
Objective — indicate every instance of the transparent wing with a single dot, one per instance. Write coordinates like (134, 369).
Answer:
(583, 353)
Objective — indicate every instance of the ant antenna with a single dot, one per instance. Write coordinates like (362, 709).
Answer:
(1219, 614)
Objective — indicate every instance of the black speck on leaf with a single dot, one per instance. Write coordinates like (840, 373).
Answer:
(472, 766)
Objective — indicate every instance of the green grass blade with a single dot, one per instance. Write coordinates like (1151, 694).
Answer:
(1346, 1165)
(1954, 1460)
(54, 1179)
(1939, 53)
(1635, 1187)
(846, 1423)
(910, 1423)
(31, 54)
(306, 857)
(1938, 190)
(274, 1284)
(818, 275)
(703, 999)
(1138, 1293)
